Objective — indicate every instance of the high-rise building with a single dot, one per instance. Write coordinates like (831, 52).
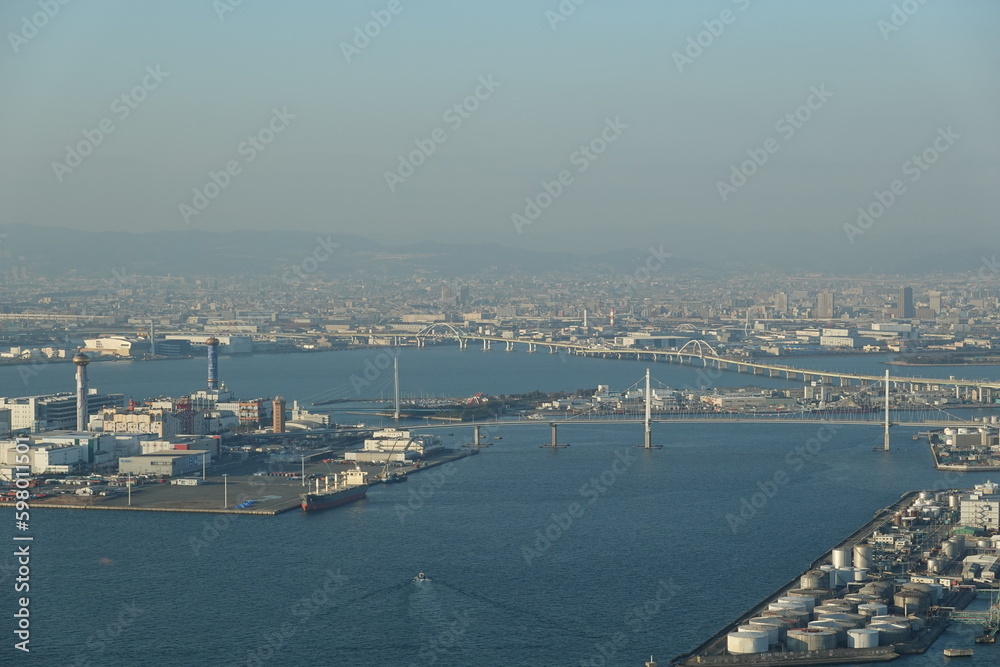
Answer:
(935, 302)
(824, 306)
(447, 296)
(463, 295)
(904, 306)
(781, 302)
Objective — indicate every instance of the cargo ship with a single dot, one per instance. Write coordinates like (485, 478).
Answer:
(347, 487)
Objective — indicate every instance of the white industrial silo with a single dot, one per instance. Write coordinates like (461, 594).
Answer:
(811, 639)
(783, 625)
(845, 575)
(808, 600)
(871, 609)
(746, 642)
(841, 557)
(814, 579)
(863, 556)
(773, 631)
(862, 638)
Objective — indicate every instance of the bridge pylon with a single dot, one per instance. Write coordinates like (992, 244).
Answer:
(555, 440)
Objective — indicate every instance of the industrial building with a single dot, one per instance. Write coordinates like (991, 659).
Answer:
(116, 346)
(54, 411)
(155, 421)
(981, 508)
(67, 451)
(170, 463)
(394, 445)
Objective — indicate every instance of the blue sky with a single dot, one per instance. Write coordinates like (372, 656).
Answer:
(890, 95)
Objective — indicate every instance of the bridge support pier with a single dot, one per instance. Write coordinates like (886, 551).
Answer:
(555, 441)
(509, 346)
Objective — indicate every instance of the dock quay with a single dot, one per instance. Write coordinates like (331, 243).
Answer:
(873, 597)
(272, 495)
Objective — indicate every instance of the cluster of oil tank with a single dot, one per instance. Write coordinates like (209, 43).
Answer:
(928, 506)
(810, 618)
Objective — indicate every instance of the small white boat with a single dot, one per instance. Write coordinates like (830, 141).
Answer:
(421, 577)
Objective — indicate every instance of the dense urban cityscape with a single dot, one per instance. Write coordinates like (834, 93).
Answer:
(542, 334)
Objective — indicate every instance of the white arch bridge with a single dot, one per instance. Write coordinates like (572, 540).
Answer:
(694, 352)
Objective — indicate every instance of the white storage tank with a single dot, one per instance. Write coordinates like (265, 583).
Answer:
(814, 579)
(811, 639)
(862, 638)
(935, 565)
(845, 575)
(839, 628)
(771, 630)
(783, 624)
(832, 609)
(841, 558)
(863, 556)
(860, 574)
(808, 600)
(891, 633)
(950, 549)
(871, 609)
(740, 643)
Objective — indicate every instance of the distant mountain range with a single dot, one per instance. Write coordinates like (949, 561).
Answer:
(59, 251)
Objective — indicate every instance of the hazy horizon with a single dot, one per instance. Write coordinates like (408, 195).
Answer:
(872, 85)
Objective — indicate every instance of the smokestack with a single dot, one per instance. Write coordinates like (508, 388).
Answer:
(152, 336)
(612, 317)
(81, 360)
(278, 407)
(213, 362)
(584, 318)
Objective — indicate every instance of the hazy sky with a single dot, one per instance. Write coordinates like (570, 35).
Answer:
(883, 88)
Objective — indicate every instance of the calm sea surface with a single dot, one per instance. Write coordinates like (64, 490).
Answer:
(594, 554)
